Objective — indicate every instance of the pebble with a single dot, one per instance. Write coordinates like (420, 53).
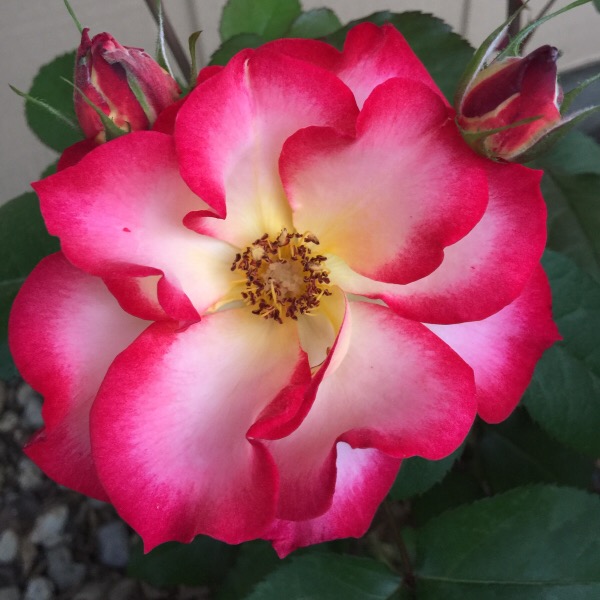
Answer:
(9, 546)
(62, 569)
(92, 591)
(8, 422)
(10, 593)
(39, 588)
(48, 528)
(30, 476)
(124, 590)
(113, 544)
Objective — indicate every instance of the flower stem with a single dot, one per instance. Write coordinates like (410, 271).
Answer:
(171, 38)
(407, 570)
(515, 26)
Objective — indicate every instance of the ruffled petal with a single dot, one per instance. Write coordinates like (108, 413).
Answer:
(363, 478)
(371, 56)
(65, 329)
(484, 271)
(169, 426)
(389, 202)
(504, 348)
(119, 213)
(398, 389)
(230, 132)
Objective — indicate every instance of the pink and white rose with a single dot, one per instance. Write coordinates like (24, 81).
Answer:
(254, 320)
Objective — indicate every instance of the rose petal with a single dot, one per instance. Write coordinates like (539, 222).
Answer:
(390, 201)
(119, 213)
(65, 329)
(363, 478)
(169, 426)
(230, 132)
(484, 271)
(397, 389)
(504, 348)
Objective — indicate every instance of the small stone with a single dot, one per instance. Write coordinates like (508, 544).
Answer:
(25, 393)
(29, 553)
(10, 593)
(62, 569)
(32, 414)
(113, 544)
(39, 588)
(9, 546)
(124, 590)
(48, 528)
(8, 422)
(92, 591)
(30, 476)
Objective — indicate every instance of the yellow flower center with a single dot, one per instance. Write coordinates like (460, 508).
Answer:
(283, 278)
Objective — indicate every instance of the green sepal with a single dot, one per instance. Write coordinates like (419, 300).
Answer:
(50, 109)
(140, 97)
(570, 96)
(554, 135)
(192, 41)
(111, 129)
(161, 47)
(514, 46)
(73, 16)
(481, 58)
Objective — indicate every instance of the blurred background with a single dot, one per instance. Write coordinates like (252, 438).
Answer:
(32, 32)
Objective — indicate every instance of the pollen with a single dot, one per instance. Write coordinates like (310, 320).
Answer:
(284, 276)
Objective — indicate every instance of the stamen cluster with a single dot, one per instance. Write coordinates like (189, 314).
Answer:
(282, 276)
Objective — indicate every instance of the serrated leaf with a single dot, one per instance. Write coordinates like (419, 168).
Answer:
(444, 53)
(48, 86)
(564, 395)
(328, 577)
(575, 154)
(531, 543)
(315, 23)
(574, 217)
(204, 561)
(517, 452)
(233, 45)
(270, 19)
(417, 475)
(24, 241)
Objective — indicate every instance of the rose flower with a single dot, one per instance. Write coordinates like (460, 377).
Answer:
(254, 320)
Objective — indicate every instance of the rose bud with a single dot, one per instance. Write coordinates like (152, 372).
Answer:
(125, 83)
(511, 104)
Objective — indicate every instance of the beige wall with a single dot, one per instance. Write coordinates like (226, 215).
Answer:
(34, 31)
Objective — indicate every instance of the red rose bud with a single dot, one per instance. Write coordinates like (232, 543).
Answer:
(519, 96)
(129, 86)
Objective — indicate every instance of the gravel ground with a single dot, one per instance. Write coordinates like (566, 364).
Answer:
(56, 544)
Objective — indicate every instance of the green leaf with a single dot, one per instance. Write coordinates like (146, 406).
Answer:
(233, 45)
(517, 452)
(8, 370)
(254, 562)
(564, 395)
(328, 577)
(270, 19)
(417, 475)
(458, 487)
(597, 4)
(48, 86)
(204, 561)
(535, 543)
(444, 53)
(575, 154)
(23, 243)
(574, 217)
(315, 23)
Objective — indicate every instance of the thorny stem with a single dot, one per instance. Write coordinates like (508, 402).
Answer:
(171, 38)
(407, 571)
